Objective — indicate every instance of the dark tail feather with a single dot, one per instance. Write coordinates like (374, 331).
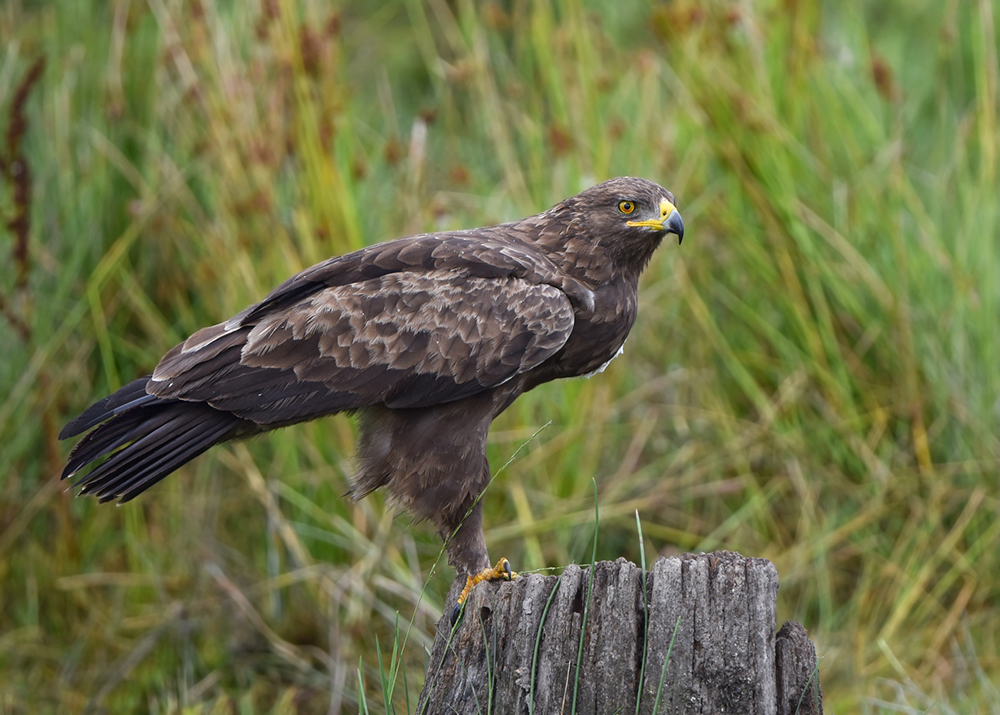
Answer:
(143, 442)
(132, 395)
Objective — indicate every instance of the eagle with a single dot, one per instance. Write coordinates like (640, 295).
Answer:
(426, 339)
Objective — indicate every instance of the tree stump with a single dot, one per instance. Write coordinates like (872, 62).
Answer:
(695, 636)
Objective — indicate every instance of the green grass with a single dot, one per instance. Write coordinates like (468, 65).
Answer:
(812, 378)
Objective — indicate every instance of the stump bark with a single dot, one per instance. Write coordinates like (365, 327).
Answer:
(694, 635)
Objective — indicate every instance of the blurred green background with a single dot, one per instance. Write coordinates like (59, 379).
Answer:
(813, 378)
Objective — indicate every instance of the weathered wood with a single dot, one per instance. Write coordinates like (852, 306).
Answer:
(797, 669)
(517, 648)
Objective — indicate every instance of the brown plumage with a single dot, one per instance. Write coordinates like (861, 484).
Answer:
(427, 339)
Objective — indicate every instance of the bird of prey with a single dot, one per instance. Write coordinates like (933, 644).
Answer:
(426, 339)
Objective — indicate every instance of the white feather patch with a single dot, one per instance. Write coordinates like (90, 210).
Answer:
(603, 367)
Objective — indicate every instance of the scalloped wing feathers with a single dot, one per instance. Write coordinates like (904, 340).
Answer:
(403, 340)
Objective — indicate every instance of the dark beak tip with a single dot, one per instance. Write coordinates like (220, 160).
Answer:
(676, 225)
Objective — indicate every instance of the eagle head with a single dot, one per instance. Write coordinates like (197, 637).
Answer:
(628, 217)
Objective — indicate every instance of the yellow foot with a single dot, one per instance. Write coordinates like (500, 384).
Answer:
(500, 571)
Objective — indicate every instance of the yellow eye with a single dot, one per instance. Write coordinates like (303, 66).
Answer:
(626, 207)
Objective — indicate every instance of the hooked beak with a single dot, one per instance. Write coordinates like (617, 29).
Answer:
(669, 221)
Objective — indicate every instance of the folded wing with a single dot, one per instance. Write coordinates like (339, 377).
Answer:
(402, 339)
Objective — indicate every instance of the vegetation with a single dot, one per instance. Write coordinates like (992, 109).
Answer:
(813, 378)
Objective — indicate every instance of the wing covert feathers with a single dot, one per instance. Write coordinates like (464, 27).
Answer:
(402, 339)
